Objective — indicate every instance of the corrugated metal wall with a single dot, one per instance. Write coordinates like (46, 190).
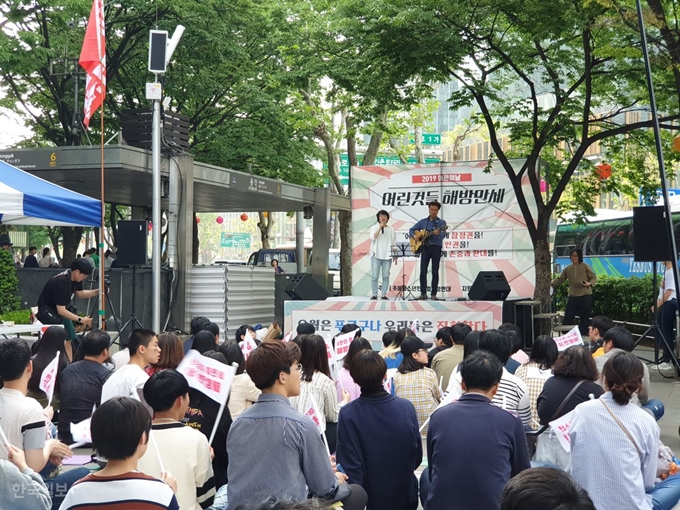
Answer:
(231, 295)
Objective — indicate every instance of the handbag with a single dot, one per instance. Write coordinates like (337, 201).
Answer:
(532, 435)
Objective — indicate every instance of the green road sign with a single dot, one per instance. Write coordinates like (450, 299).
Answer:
(379, 160)
(235, 240)
(427, 139)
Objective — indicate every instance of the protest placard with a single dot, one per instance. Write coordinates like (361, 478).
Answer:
(573, 337)
(560, 427)
(48, 379)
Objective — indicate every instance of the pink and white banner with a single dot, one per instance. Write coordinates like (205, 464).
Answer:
(487, 231)
(376, 317)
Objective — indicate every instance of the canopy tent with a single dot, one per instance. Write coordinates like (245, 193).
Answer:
(29, 200)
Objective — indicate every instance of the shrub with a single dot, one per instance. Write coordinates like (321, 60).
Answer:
(18, 317)
(9, 284)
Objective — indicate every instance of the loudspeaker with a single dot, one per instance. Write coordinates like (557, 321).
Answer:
(158, 43)
(650, 239)
(305, 288)
(489, 286)
(132, 243)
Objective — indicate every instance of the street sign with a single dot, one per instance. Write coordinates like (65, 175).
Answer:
(235, 240)
(427, 139)
(379, 160)
(673, 194)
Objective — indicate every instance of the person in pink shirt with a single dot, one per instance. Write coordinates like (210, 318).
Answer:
(344, 381)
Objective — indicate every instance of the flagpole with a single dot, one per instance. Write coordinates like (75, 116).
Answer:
(102, 296)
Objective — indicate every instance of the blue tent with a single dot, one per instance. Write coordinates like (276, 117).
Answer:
(29, 200)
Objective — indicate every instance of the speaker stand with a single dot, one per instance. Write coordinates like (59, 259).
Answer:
(132, 322)
(658, 333)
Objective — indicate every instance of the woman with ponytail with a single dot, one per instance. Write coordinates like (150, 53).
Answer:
(615, 445)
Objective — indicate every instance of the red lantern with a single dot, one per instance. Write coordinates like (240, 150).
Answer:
(603, 171)
(244, 217)
(219, 219)
(198, 220)
(543, 186)
(150, 226)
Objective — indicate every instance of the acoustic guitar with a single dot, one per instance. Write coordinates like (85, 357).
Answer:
(420, 237)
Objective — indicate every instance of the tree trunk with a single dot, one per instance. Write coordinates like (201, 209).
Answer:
(543, 266)
(418, 140)
(71, 237)
(345, 220)
(265, 225)
(55, 233)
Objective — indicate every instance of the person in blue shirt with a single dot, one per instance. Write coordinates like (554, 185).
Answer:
(432, 247)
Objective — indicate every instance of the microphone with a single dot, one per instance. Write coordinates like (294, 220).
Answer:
(382, 229)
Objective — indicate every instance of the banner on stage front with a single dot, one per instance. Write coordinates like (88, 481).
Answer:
(374, 319)
(486, 228)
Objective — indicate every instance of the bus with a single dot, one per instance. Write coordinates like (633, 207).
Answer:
(607, 243)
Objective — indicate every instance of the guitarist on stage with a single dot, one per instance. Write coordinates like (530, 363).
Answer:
(432, 247)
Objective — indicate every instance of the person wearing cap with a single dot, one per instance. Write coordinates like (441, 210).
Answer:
(6, 245)
(415, 382)
(57, 295)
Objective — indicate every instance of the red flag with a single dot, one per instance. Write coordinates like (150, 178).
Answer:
(93, 60)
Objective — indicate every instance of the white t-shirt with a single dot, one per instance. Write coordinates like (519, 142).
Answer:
(381, 246)
(668, 283)
(124, 382)
(22, 421)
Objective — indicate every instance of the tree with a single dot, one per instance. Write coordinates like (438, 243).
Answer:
(561, 76)
(227, 76)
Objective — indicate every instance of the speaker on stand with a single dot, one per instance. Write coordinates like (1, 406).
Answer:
(132, 245)
(305, 288)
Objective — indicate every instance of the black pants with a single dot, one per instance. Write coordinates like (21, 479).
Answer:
(433, 253)
(667, 327)
(331, 436)
(580, 306)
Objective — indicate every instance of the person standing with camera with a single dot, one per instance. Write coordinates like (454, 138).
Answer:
(54, 303)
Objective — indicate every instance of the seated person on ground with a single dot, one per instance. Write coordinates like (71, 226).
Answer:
(599, 325)
(128, 380)
(82, 382)
(273, 438)
(120, 433)
(544, 488)
(23, 421)
(185, 452)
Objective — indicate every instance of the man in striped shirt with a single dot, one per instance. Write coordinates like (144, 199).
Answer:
(120, 432)
(512, 394)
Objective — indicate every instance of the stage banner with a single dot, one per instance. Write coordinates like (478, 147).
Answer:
(486, 229)
(376, 317)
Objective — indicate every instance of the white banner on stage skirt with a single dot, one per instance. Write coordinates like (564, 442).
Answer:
(376, 317)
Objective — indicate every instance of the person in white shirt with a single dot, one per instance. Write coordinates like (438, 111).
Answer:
(183, 450)
(383, 240)
(667, 303)
(129, 380)
(615, 445)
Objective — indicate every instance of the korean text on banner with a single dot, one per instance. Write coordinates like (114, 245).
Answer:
(48, 379)
(560, 427)
(342, 343)
(573, 337)
(248, 345)
(314, 414)
(93, 60)
(207, 375)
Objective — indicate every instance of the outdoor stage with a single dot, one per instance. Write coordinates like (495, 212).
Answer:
(377, 317)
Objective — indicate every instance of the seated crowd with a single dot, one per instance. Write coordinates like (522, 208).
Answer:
(298, 432)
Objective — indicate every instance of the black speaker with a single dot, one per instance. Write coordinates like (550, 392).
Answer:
(650, 239)
(305, 288)
(489, 286)
(132, 243)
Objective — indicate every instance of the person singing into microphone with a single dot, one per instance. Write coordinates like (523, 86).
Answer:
(383, 240)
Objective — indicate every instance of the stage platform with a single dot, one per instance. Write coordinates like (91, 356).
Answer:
(377, 317)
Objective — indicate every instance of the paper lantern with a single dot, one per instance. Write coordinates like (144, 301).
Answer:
(244, 217)
(198, 220)
(150, 226)
(603, 171)
(265, 214)
(543, 186)
(219, 219)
